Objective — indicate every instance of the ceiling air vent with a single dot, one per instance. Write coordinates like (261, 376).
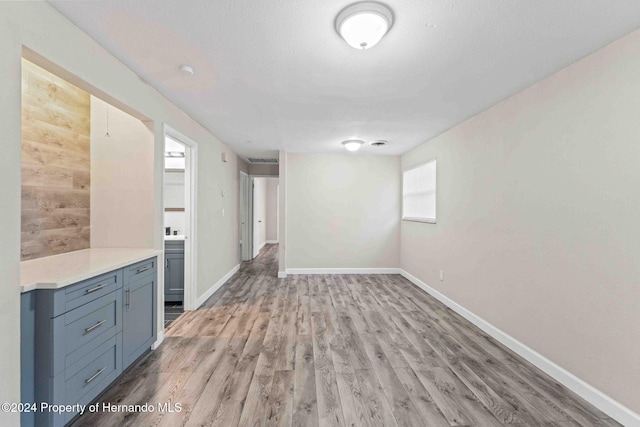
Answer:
(379, 143)
(262, 160)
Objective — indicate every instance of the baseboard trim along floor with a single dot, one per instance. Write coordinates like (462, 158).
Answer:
(202, 298)
(600, 400)
(343, 271)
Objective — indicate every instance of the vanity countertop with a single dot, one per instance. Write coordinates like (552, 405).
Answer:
(58, 271)
(174, 237)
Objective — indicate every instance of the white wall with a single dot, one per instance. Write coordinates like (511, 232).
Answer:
(259, 214)
(38, 27)
(282, 220)
(342, 211)
(271, 213)
(122, 179)
(10, 89)
(538, 218)
(174, 197)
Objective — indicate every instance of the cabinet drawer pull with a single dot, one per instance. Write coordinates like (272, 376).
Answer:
(94, 376)
(97, 288)
(140, 270)
(97, 325)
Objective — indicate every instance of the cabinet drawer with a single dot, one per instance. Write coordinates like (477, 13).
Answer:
(80, 331)
(140, 269)
(89, 376)
(59, 301)
(174, 246)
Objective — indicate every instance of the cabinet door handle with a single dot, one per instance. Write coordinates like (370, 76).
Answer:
(128, 297)
(94, 376)
(140, 270)
(97, 288)
(167, 266)
(97, 325)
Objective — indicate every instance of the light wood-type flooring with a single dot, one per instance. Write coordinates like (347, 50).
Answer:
(335, 350)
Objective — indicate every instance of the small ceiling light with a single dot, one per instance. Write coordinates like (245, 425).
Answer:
(352, 144)
(379, 143)
(187, 70)
(362, 25)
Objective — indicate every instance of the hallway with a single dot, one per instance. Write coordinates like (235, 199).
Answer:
(334, 350)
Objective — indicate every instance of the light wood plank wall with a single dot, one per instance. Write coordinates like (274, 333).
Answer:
(56, 165)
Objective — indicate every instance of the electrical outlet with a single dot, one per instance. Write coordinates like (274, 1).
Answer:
(222, 212)
(441, 275)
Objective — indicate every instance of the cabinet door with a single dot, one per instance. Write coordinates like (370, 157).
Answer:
(139, 318)
(174, 277)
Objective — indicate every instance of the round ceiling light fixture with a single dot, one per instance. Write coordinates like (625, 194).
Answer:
(362, 25)
(352, 144)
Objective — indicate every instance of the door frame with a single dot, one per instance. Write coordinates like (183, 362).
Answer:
(245, 218)
(190, 211)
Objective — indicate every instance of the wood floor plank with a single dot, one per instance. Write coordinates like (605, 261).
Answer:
(280, 404)
(399, 400)
(305, 405)
(357, 353)
(232, 403)
(256, 405)
(378, 407)
(422, 400)
(449, 394)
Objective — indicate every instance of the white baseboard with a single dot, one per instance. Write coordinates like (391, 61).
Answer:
(201, 299)
(159, 340)
(282, 274)
(256, 252)
(600, 400)
(343, 271)
(270, 242)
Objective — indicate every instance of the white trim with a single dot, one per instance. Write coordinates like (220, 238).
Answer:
(343, 271)
(282, 274)
(159, 339)
(215, 287)
(270, 242)
(245, 236)
(600, 400)
(257, 252)
(191, 210)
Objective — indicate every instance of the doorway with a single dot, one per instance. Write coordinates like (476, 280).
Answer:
(179, 202)
(264, 210)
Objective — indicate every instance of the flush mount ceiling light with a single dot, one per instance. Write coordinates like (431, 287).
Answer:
(352, 144)
(362, 25)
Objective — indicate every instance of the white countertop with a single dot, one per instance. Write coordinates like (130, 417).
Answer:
(62, 270)
(174, 237)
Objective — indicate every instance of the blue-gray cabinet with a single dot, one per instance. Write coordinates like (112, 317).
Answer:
(174, 270)
(139, 312)
(77, 340)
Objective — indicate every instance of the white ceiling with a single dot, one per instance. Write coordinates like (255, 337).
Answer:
(276, 73)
